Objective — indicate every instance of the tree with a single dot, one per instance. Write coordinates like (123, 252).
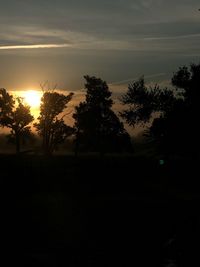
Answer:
(143, 102)
(178, 128)
(51, 126)
(187, 83)
(16, 116)
(173, 111)
(6, 103)
(97, 127)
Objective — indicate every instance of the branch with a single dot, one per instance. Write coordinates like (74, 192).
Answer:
(68, 113)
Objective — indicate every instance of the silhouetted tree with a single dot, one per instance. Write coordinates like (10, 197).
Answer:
(143, 102)
(51, 126)
(187, 84)
(97, 127)
(174, 127)
(178, 130)
(16, 116)
(6, 103)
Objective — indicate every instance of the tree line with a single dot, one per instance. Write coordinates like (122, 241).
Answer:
(97, 128)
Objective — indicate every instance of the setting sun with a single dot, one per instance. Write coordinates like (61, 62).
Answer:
(33, 98)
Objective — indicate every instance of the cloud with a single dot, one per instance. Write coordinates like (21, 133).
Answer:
(113, 40)
(36, 46)
(187, 36)
(122, 25)
(132, 79)
(173, 37)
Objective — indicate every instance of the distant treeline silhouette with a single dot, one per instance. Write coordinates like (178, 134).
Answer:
(172, 111)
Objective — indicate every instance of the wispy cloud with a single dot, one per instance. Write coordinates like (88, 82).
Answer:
(172, 37)
(115, 40)
(35, 46)
(132, 79)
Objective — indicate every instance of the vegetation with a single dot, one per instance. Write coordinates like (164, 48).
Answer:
(122, 208)
(50, 126)
(97, 127)
(173, 111)
(170, 112)
(16, 116)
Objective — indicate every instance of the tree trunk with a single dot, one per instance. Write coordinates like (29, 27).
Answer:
(47, 150)
(17, 143)
(101, 147)
(77, 141)
(76, 148)
(46, 146)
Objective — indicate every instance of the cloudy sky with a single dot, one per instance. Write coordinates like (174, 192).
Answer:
(117, 40)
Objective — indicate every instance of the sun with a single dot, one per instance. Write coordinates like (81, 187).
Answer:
(33, 98)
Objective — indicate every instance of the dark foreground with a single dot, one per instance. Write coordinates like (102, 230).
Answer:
(91, 211)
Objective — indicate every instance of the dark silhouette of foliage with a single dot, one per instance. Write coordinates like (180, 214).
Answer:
(187, 83)
(174, 128)
(16, 116)
(143, 102)
(97, 127)
(51, 126)
(6, 103)
(178, 129)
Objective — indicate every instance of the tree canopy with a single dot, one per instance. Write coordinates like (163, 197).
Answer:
(173, 111)
(143, 102)
(51, 126)
(97, 127)
(16, 116)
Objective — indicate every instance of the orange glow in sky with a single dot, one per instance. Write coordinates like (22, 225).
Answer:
(32, 98)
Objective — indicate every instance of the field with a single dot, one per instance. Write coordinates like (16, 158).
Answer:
(99, 211)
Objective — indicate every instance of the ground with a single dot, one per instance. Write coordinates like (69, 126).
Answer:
(99, 211)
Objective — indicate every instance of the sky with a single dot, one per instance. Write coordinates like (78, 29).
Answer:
(117, 40)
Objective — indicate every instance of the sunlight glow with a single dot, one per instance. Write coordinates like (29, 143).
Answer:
(33, 98)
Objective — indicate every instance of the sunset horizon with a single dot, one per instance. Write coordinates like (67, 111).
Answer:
(99, 135)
